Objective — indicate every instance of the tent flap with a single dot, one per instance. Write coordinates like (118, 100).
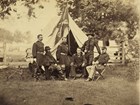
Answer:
(71, 29)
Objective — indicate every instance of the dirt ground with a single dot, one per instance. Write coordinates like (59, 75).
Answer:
(115, 89)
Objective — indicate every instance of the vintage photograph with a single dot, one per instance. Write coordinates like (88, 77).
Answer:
(69, 52)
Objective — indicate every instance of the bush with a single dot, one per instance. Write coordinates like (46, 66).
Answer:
(133, 71)
(134, 47)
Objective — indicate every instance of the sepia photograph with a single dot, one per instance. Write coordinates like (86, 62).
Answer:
(69, 52)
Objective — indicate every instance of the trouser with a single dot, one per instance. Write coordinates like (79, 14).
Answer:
(40, 70)
(53, 70)
(74, 68)
(47, 73)
(31, 69)
(89, 58)
(91, 71)
(67, 71)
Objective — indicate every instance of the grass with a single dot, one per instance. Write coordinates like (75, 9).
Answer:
(115, 89)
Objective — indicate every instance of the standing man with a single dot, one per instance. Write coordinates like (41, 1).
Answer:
(38, 53)
(88, 48)
(63, 58)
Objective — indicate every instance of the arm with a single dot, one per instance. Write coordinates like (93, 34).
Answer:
(34, 50)
(104, 59)
(72, 60)
(54, 60)
(97, 46)
(84, 59)
(96, 58)
(58, 52)
(83, 47)
(107, 58)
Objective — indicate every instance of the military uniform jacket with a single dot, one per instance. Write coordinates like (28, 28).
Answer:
(37, 52)
(62, 54)
(102, 58)
(89, 45)
(49, 59)
(78, 60)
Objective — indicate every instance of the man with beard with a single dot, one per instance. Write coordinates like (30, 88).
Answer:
(50, 64)
(78, 62)
(38, 53)
(88, 48)
(98, 63)
(63, 58)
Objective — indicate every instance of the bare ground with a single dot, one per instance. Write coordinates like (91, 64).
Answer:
(115, 89)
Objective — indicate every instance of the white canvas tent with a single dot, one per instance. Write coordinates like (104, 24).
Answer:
(64, 26)
(67, 25)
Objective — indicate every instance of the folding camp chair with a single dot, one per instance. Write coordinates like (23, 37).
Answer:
(99, 73)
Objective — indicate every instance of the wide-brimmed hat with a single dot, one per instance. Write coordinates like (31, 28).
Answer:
(47, 48)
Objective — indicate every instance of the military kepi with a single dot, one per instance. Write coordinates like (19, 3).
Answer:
(47, 48)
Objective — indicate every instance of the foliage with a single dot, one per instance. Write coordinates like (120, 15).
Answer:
(133, 71)
(113, 18)
(134, 47)
(5, 35)
(9, 6)
(104, 17)
(17, 36)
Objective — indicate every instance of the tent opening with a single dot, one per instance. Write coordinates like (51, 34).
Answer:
(72, 44)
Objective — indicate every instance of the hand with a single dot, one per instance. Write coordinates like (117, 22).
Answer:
(97, 62)
(72, 64)
(85, 51)
(93, 63)
(34, 59)
(43, 68)
(83, 64)
(63, 66)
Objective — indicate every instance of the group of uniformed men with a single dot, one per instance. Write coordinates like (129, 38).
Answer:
(65, 66)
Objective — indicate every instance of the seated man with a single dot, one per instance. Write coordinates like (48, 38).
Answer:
(78, 62)
(100, 61)
(50, 64)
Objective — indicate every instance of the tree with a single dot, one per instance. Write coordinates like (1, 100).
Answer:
(27, 37)
(6, 36)
(104, 17)
(8, 6)
(17, 36)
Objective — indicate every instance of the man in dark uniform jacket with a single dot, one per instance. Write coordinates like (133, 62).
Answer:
(88, 48)
(100, 61)
(38, 52)
(49, 61)
(63, 58)
(50, 64)
(78, 62)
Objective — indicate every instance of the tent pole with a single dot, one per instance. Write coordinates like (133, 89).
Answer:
(123, 53)
(69, 47)
(4, 52)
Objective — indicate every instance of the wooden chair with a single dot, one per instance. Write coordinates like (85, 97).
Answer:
(99, 73)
